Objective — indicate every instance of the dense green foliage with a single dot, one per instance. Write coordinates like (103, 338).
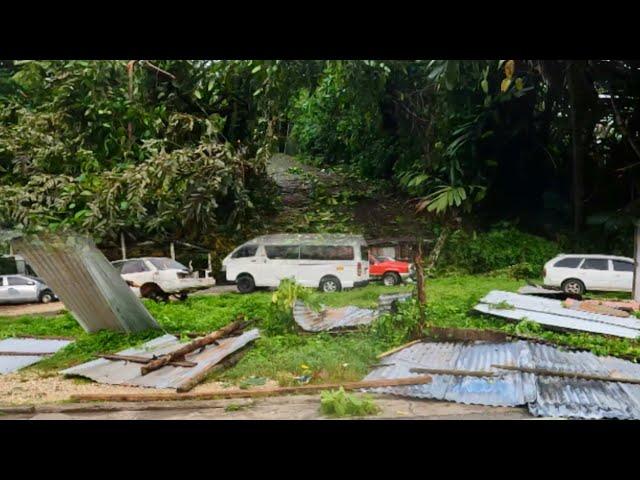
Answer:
(177, 149)
(338, 403)
(497, 249)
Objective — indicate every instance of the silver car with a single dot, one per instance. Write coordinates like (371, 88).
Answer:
(24, 289)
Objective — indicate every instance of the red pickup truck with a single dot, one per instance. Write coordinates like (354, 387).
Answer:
(390, 270)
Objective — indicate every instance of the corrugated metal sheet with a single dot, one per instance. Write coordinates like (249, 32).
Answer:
(86, 282)
(541, 291)
(128, 373)
(10, 363)
(551, 313)
(331, 318)
(544, 395)
(344, 317)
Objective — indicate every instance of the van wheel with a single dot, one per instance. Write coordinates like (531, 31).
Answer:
(330, 284)
(182, 297)
(46, 296)
(390, 279)
(573, 286)
(246, 284)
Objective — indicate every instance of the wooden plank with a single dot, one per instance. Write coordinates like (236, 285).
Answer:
(459, 373)
(189, 383)
(179, 354)
(145, 360)
(553, 373)
(397, 349)
(240, 393)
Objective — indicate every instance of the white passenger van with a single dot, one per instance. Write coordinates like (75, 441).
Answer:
(330, 262)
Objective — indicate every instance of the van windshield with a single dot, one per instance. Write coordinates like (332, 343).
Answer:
(326, 252)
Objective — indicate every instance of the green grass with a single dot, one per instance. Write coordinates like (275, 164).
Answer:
(324, 357)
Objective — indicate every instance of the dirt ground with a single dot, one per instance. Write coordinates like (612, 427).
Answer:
(299, 407)
(35, 388)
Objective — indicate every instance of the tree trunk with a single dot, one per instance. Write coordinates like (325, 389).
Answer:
(422, 296)
(576, 114)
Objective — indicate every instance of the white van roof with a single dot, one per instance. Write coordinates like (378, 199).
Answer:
(308, 239)
(594, 255)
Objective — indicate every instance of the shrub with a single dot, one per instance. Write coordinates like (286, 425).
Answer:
(280, 320)
(499, 248)
(338, 403)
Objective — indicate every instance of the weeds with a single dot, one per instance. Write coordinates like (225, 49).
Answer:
(338, 403)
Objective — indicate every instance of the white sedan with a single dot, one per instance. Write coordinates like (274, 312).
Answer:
(577, 273)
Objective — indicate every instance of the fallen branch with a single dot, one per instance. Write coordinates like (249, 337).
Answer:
(240, 393)
(397, 349)
(178, 355)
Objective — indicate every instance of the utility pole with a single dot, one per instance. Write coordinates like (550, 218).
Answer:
(636, 263)
(123, 246)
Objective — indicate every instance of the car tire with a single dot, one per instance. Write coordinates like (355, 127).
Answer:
(573, 286)
(245, 284)
(390, 279)
(46, 296)
(153, 292)
(330, 284)
(182, 297)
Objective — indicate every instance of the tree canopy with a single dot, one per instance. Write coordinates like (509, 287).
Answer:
(178, 148)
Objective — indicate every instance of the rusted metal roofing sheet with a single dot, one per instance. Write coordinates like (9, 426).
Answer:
(118, 372)
(331, 318)
(544, 395)
(387, 302)
(541, 291)
(86, 283)
(551, 313)
(11, 363)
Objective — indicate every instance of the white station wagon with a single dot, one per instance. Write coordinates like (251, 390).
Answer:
(330, 262)
(578, 273)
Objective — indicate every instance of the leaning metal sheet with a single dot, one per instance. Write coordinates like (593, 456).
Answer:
(118, 372)
(86, 283)
(11, 363)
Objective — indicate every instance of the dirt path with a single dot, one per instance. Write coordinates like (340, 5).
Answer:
(300, 407)
(53, 308)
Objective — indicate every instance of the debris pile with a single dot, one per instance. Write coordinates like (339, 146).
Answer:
(16, 353)
(549, 381)
(164, 362)
(554, 314)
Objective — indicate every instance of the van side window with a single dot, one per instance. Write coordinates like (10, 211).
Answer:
(246, 251)
(595, 264)
(326, 252)
(282, 252)
(621, 266)
(364, 252)
(571, 262)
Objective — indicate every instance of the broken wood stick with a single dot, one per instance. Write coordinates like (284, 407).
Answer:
(145, 360)
(553, 373)
(189, 383)
(461, 373)
(240, 393)
(192, 347)
(397, 349)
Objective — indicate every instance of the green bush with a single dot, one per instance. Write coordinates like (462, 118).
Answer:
(499, 248)
(338, 403)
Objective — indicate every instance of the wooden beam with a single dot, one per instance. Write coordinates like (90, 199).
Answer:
(189, 383)
(459, 373)
(582, 376)
(145, 360)
(240, 393)
(192, 347)
(397, 349)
